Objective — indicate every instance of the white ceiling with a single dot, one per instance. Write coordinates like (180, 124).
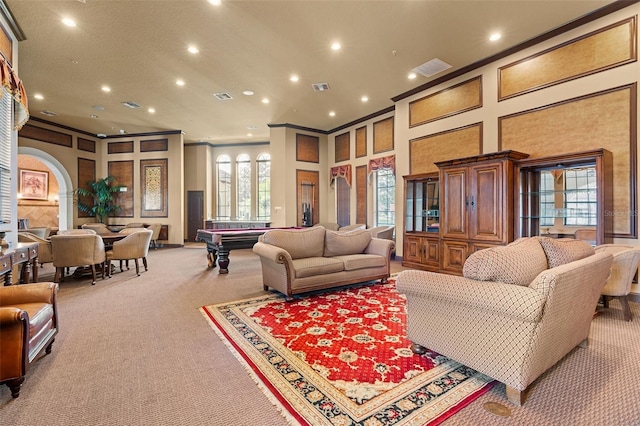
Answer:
(139, 49)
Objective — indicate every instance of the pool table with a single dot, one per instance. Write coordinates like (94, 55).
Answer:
(221, 241)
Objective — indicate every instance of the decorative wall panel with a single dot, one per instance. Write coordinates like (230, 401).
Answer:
(604, 119)
(120, 147)
(455, 143)
(123, 172)
(361, 143)
(153, 186)
(154, 145)
(453, 100)
(383, 135)
(86, 145)
(597, 51)
(45, 135)
(86, 173)
(307, 148)
(342, 147)
(361, 194)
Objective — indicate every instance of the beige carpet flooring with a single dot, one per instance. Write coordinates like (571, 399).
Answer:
(136, 351)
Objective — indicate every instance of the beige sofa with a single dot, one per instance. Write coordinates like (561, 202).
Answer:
(515, 313)
(301, 260)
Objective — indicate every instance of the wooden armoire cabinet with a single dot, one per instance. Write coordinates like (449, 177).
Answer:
(477, 205)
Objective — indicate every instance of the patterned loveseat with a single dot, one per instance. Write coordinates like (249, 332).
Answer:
(301, 260)
(516, 312)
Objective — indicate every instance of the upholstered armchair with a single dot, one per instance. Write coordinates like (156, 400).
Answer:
(385, 232)
(45, 254)
(42, 232)
(28, 325)
(77, 232)
(78, 250)
(623, 268)
(353, 227)
(134, 225)
(100, 228)
(331, 226)
(155, 228)
(132, 247)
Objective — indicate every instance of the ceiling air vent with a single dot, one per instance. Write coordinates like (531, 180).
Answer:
(222, 96)
(48, 113)
(320, 87)
(431, 67)
(131, 104)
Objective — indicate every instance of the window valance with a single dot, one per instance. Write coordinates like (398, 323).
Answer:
(12, 85)
(341, 171)
(388, 162)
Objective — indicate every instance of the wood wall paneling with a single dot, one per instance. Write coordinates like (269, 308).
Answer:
(46, 135)
(455, 143)
(123, 172)
(86, 173)
(604, 119)
(361, 143)
(343, 147)
(154, 200)
(453, 100)
(120, 147)
(307, 148)
(86, 145)
(361, 194)
(597, 51)
(154, 145)
(6, 46)
(383, 135)
(307, 176)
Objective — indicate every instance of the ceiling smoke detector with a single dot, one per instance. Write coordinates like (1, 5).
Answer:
(131, 104)
(320, 87)
(222, 96)
(431, 67)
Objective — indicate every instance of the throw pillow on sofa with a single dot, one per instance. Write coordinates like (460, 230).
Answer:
(517, 263)
(564, 250)
(338, 243)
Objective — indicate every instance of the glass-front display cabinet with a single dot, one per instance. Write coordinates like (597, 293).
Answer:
(422, 221)
(566, 197)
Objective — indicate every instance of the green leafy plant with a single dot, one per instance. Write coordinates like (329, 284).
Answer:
(102, 192)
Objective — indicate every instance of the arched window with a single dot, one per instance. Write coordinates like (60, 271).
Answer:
(223, 165)
(243, 187)
(263, 164)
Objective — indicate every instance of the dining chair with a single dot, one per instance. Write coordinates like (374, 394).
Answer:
(45, 254)
(77, 232)
(132, 247)
(623, 269)
(100, 228)
(155, 228)
(78, 250)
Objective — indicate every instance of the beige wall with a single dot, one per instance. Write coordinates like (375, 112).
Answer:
(39, 213)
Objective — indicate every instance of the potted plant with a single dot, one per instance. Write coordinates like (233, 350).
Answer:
(102, 192)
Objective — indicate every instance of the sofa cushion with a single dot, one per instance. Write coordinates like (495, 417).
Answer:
(517, 263)
(564, 250)
(353, 262)
(299, 243)
(338, 243)
(311, 266)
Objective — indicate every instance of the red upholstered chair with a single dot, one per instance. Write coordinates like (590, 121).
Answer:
(28, 325)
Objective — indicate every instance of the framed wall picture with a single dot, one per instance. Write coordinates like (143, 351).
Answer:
(34, 185)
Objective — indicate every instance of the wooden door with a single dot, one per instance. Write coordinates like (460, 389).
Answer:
(453, 203)
(195, 213)
(486, 202)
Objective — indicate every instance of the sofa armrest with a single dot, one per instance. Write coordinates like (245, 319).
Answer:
(28, 293)
(508, 300)
(271, 252)
(380, 247)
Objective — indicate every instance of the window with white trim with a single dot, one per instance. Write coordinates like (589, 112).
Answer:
(385, 197)
(243, 187)
(263, 165)
(223, 166)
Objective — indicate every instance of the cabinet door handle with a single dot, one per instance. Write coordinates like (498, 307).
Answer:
(466, 200)
(472, 203)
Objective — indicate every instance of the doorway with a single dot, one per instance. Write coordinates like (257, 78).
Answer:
(195, 213)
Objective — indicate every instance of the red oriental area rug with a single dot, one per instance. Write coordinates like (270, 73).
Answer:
(343, 358)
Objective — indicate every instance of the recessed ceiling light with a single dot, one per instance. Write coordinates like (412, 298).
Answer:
(215, 2)
(151, 110)
(69, 22)
(412, 75)
(364, 98)
(38, 96)
(332, 113)
(294, 78)
(248, 92)
(335, 46)
(495, 36)
(193, 49)
(180, 82)
(265, 100)
(106, 89)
